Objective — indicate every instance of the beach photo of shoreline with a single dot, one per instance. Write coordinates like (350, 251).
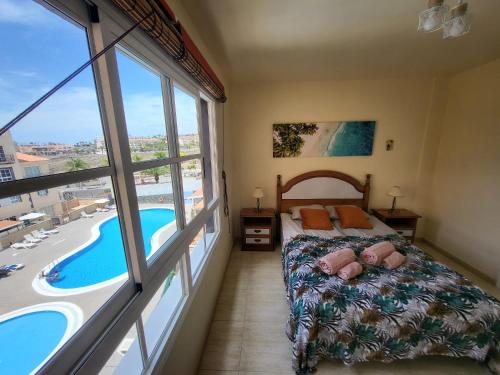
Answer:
(323, 139)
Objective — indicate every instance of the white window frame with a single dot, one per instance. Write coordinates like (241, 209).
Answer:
(88, 350)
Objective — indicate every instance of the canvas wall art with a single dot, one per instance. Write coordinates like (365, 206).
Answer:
(313, 139)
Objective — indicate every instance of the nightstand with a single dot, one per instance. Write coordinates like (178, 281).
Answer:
(401, 220)
(257, 229)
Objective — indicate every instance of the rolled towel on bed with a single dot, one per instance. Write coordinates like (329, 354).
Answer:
(333, 262)
(350, 271)
(394, 260)
(375, 254)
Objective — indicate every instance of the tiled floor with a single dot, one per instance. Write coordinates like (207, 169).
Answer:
(247, 336)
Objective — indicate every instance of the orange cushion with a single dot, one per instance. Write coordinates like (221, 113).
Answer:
(353, 217)
(313, 218)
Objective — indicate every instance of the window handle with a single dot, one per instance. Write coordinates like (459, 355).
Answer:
(257, 231)
(257, 240)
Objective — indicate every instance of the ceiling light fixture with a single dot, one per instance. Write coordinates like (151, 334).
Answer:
(454, 22)
(432, 18)
(457, 22)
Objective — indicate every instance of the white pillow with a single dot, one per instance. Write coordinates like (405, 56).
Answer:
(333, 213)
(295, 210)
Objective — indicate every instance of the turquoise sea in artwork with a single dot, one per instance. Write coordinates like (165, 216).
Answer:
(352, 138)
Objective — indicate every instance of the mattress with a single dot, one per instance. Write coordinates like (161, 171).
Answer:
(291, 228)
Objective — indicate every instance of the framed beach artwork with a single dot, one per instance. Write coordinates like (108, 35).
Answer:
(313, 139)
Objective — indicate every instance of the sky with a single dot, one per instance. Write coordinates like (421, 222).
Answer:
(39, 49)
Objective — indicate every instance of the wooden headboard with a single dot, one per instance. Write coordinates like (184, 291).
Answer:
(322, 187)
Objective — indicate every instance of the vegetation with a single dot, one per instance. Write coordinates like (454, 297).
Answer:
(287, 140)
(76, 164)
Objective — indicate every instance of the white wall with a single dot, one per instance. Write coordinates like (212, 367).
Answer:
(463, 202)
(400, 107)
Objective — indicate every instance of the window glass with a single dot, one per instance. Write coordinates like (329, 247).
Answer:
(62, 134)
(192, 184)
(62, 246)
(210, 174)
(126, 358)
(197, 252)
(211, 228)
(187, 122)
(156, 206)
(144, 113)
(161, 308)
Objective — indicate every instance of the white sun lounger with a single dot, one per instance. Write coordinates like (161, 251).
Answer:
(86, 215)
(39, 235)
(22, 245)
(49, 231)
(31, 239)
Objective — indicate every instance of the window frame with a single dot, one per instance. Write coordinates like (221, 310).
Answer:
(102, 332)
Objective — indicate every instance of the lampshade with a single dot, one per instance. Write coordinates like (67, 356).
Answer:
(395, 191)
(432, 18)
(258, 193)
(457, 22)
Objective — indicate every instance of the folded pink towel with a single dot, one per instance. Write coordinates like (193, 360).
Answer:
(376, 253)
(394, 260)
(351, 270)
(333, 262)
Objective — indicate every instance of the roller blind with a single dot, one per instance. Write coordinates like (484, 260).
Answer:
(171, 35)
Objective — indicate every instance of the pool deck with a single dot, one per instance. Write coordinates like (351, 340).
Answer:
(16, 290)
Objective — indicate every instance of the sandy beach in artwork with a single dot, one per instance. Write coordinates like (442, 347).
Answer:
(319, 143)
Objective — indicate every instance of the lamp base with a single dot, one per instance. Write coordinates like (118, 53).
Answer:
(258, 205)
(393, 208)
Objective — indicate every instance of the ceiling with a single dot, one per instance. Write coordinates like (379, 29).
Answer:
(282, 40)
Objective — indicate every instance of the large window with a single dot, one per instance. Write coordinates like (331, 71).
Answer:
(109, 236)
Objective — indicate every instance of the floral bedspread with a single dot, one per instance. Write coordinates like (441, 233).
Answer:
(421, 308)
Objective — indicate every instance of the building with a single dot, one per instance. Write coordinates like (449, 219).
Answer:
(17, 165)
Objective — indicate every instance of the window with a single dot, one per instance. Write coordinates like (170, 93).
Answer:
(187, 122)
(126, 358)
(144, 112)
(160, 310)
(196, 252)
(6, 174)
(119, 236)
(33, 171)
(65, 132)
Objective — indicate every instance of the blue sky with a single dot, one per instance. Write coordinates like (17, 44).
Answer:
(38, 50)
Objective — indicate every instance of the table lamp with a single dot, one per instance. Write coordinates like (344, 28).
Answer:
(394, 192)
(258, 193)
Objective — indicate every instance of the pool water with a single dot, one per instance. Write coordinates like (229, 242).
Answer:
(28, 339)
(104, 258)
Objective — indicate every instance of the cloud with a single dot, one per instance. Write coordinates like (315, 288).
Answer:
(144, 114)
(69, 116)
(22, 12)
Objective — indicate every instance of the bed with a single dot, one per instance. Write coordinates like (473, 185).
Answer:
(421, 308)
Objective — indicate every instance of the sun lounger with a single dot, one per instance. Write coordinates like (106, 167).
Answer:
(39, 235)
(102, 209)
(31, 239)
(13, 267)
(49, 231)
(86, 215)
(22, 245)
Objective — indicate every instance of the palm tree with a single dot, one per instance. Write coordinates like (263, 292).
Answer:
(76, 164)
(155, 172)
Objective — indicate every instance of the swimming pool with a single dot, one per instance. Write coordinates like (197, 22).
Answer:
(30, 336)
(101, 260)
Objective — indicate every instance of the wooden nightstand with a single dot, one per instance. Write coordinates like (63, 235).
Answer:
(402, 220)
(257, 229)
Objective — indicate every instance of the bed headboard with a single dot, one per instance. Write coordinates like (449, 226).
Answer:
(322, 187)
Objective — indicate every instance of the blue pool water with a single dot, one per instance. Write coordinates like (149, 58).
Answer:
(28, 339)
(104, 258)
